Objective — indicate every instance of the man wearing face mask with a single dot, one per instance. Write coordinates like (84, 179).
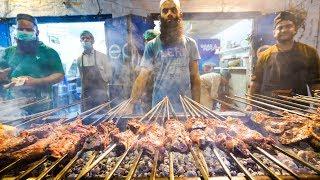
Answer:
(287, 67)
(31, 66)
(172, 58)
(95, 72)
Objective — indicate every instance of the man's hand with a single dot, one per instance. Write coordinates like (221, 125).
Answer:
(4, 73)
(31, 81)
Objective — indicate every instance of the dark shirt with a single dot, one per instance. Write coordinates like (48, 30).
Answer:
(293, 69)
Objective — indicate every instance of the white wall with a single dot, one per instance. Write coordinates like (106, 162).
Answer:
(9, 8)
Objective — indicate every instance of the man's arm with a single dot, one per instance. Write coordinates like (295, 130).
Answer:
(51, 79)
(195, 80)
(140, 84)
(316, 66)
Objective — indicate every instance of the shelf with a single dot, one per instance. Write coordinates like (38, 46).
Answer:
(234, 50)
(232, 68)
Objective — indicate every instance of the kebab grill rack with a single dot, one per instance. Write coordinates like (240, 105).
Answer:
(211, 162)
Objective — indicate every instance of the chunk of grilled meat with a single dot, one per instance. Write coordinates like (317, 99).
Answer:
(136, 126)
(296, 134)
(67, 143)
(177, 138)
(36, 149)
(14, 143)
(153, 139)
(59, 137)
(232, 144)
(41, 131)
(124, 140)
(195, 123)
(101, 139)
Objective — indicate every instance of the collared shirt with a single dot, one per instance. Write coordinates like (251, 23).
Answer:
(42, 64)
(210, 83)
(102, 62)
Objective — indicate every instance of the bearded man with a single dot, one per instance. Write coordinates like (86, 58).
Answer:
(30, 67)
(172, 58)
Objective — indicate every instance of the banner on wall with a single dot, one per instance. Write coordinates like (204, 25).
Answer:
(207, 50)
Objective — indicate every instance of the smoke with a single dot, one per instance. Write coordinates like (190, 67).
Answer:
(11, 109)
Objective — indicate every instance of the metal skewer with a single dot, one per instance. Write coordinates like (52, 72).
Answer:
(33, 167)
(253, 105)
(279, 104)
(134, 166)
(298, 100)
(241, 166)
(110, 174)
(287, 102)
(295, 157)
(273, 175)
(212, 113)
(309, 98)
(272, 106)
(275, 160)
(154, 167)
(224, 166)
(171, 171)
(43, 174)
(68, 166)
(94, 163)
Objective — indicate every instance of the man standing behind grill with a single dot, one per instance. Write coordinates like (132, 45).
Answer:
(31, 67)
(173, 58)
(95, 73)
(287, 66)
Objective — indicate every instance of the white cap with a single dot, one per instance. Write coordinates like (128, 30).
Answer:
(176, 2)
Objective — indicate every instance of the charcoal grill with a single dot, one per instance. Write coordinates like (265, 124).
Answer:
(58, 168)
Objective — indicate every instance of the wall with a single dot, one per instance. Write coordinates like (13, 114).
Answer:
(9, 8)
(309, 34)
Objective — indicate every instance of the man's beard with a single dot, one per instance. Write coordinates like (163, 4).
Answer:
(27, 47)
(171, 31)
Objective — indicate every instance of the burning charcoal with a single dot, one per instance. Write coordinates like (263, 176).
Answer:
(191, 174)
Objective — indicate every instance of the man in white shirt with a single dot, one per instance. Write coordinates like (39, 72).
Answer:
(213, 85)
(95, 72)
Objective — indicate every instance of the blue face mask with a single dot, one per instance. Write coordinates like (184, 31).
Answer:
(26, 36)
(87, 45)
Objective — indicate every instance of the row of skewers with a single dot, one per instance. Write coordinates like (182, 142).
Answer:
(159, 134)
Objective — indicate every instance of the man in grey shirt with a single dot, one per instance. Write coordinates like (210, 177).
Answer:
(173, 58)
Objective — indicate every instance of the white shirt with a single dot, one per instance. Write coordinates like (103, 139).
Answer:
(103, 63)
(210, 83)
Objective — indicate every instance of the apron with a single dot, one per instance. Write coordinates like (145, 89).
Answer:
(285, 71)
(172, 75)
(93, 85)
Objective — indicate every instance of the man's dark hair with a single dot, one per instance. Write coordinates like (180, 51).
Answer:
(285, 15)
(28, 18)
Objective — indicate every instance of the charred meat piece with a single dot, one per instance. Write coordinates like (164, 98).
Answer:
(153, 139)
(254, 138)
(177, 138)
(259, 118)
(64, 144)
(124, 140)
(296, 134)
(232, 144)
(37, 148)
(136, 126)
(41, 131)
(195, 123)
(199, 137)
(101, 139)
(14, 143)
(275, 127)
